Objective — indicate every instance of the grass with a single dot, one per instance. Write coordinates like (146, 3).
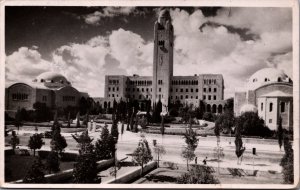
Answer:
(17, 166)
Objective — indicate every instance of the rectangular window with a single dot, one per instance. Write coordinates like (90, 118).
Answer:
(215, 97)
(282, 107)
(270, 120)
(147, 89)
(186, 90)
(271, 107)
(181, 90)
(262, 106)
(196, 97)
(142, 89)
(108, 89)
(204, 97)
(176, 90)
(215, 89)
(171, 90)
(113, 95)
(191, 90)
(113, 89)
(159, 90)
(137, 89)
(186, 96)
(191, 97)
(209, 89)
(196, 89)
(209, 97)
(204, 89)
(181, 97)
(117, 88)
(176, 97)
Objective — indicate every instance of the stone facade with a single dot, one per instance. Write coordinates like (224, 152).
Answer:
(163, 85)
(272, 96)
(49, 88)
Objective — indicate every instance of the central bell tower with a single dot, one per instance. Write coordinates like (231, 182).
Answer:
(163, 58)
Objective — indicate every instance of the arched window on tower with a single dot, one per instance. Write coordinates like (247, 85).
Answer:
(282, 107)
(271, 107)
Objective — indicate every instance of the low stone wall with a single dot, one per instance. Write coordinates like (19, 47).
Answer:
(130, 176)
(66, 175)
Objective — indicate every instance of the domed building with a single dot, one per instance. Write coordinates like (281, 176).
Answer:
(50, 88)
(269, 92)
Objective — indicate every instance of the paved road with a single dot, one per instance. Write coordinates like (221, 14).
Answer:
(268, 153)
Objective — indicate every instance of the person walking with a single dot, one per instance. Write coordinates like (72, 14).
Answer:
(205, 160)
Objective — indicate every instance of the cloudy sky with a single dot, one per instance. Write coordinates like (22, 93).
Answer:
(86, 43)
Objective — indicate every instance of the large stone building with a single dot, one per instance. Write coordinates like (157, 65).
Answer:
(270, 93)
(163, 85)
(50, 88)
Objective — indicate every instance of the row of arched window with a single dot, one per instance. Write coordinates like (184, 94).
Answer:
(113, 82)
(210, 81)
(20, 96)
(214, 108)
(140, 82)
(68, 98)
(184, 82)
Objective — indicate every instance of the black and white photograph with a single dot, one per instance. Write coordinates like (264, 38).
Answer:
(150, 94)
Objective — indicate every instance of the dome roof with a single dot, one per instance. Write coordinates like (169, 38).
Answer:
(265, 76)
(248, 108)
(52, 80)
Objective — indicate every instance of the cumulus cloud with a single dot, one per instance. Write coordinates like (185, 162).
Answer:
(121, 52)
(235, 45)
(95, 18)
(25, 64)
(222, 44)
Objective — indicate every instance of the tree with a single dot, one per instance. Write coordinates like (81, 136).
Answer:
(14, 141)
(229, 105)
(239, 149)
(225, 122)
(114, 130)
(159, 150)
(58, 142)
(85, 168)
(217, 133)
(162, 128)
(280, 132)
(35, 174)
(52, 162)
(252, 125)
(142, 154)
(84, 141)
(122, 128)
(42, 112)
(287, 161)
(207, 116)
(18, 119)
(191, 140)
(105, 146)
(188, 154)
(35, 142)
(198, 175)
(69, 124)
(78, 120)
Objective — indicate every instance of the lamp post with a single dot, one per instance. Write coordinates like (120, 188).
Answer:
(156, 148)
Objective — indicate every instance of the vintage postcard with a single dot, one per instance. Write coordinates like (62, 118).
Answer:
(149, 94)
